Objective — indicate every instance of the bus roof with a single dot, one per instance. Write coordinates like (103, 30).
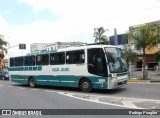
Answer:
(78, 47)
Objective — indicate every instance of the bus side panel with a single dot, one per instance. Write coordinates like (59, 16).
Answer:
(19, 79)
(68, 81)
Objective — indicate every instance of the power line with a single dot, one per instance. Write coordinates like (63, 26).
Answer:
(121, 16)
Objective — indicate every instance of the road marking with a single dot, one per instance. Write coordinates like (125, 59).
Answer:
(129, 104)
(94, 98)
(21, 88)
(10, 86)
(2, 85)
(50, 91)
(71, 95)
(34, 89)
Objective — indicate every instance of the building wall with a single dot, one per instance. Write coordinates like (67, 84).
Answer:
(147, 51)
(37, 47)
(120, 38)
(60, 45)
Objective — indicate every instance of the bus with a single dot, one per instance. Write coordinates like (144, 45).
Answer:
(86, 67)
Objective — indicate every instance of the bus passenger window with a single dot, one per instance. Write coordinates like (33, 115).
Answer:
(12, 62)
(19, 61)
(42, 59)
(29, 60)
(75, 57)
(57, 58)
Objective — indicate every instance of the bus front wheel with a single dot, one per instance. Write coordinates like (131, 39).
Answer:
(32, 82)
(86, 85)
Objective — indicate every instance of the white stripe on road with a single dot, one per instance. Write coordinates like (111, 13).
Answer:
(10, 86)
(21, 88)
(71, 95)
(34, 89)
(50, 91)
(129, 104)
(94, 98)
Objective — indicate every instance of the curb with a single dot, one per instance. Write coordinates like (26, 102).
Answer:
(143, 81)
(133, 80)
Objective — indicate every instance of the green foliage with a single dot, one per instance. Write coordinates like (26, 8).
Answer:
(125, 38)
(146, 37)
(131, 56)
(2, 44)
(99, 35)
(157, 56)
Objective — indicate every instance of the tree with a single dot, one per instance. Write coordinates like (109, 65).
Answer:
(130, 56)
(99, 35)
(146, 37)
(2, 44)
(157, 56)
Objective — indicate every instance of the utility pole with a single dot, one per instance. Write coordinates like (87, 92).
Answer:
(115, 37)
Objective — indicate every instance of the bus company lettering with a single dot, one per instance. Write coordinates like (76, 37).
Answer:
(60, 69)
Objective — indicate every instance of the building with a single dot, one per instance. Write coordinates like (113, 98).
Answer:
(38, 47)
(150, 53)
(119, 41)
(60, 45)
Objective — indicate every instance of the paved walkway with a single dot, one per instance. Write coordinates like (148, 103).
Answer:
(153, 75)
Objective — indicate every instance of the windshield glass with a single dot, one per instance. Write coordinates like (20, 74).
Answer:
(116, 60)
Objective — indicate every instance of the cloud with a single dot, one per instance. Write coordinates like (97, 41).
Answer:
(77, 19)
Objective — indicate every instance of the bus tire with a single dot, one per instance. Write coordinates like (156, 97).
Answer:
(32, 82)
(86, 85)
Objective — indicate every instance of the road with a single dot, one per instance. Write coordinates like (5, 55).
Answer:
(134, 95)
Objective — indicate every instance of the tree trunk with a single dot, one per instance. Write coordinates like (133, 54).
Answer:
(145, 69)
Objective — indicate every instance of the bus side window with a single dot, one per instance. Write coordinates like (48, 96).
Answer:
(29, 60)
(12, 62)
(75, 57)
(57, 58)
(19, 61)
(38, 60)
(42, 59)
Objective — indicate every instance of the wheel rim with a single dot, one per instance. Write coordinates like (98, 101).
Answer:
(32, 82)
(85, 85)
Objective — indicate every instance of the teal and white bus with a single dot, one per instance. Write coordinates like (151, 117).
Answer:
(86, 67)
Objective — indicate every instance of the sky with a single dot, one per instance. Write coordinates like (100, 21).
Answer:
(48, 21)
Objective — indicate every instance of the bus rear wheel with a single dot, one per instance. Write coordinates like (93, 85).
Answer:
(86, 85)
(32, 82)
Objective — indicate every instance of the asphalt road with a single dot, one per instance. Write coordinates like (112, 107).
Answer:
(135, 95)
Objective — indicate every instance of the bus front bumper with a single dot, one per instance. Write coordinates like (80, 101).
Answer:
(117, 83)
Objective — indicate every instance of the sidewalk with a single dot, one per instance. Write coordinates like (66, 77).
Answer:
(137, 75)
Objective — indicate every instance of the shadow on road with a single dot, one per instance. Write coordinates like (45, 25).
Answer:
(71, 89)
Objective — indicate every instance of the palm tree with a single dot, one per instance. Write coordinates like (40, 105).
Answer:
(3, 43)
(99, 35)
(146, 37)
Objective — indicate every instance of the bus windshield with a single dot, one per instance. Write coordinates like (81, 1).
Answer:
(116, 60)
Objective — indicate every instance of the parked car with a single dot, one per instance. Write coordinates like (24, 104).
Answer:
(4, 75)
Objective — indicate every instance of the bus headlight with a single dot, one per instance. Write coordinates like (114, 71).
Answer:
(113, 78)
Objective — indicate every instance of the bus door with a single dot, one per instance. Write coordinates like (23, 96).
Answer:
(97, 62)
